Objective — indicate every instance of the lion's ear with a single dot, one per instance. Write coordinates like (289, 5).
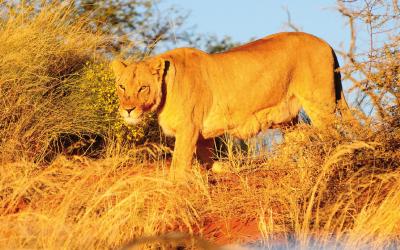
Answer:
(157, 66)
(118, 66)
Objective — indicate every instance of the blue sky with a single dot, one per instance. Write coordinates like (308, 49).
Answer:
(243, 20)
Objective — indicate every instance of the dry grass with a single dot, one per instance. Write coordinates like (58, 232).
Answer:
(316, 189)
(40, 55)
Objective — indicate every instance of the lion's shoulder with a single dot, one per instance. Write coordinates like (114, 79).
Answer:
(184, 52)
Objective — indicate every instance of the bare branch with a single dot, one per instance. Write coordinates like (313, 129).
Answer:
(374, 73)
(345, 12)
(289, 22)
(396, 7)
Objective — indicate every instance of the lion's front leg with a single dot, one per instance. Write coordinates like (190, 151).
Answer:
(185, 144)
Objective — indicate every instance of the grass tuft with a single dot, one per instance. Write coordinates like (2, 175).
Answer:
(41, 53)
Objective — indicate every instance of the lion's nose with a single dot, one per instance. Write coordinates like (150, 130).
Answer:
(129, 110)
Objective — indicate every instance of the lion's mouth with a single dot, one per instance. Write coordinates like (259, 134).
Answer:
(132, 120)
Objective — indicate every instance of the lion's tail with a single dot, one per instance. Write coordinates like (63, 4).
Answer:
(342, 105)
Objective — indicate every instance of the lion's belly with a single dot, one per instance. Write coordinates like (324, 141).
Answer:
(244, 125)
(214, 126)
(241, 126)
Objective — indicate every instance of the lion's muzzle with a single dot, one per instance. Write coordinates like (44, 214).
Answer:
(132, 116)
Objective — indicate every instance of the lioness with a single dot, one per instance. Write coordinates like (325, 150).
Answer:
(242, 91)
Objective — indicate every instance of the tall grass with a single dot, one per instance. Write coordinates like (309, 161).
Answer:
(317, 188)
(41, 52)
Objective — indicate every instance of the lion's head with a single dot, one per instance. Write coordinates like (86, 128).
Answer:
(138, 87)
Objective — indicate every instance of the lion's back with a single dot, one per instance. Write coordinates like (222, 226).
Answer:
(282, 41)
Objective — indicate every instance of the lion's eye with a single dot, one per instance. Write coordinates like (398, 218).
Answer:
(143, 88)
(121, 87)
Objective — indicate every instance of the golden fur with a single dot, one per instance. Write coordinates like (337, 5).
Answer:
(242, 91)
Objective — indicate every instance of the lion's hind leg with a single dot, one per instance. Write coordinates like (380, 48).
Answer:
(321, 114)
(284, 114)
